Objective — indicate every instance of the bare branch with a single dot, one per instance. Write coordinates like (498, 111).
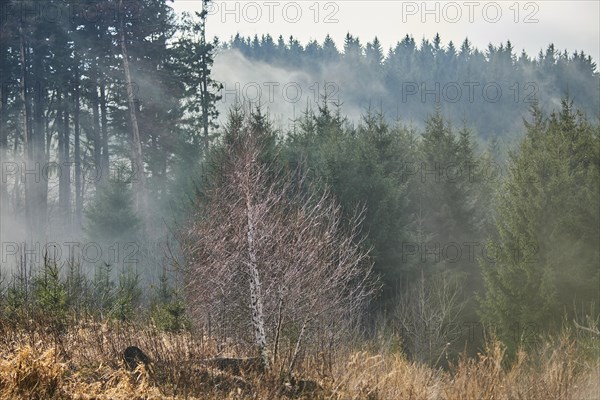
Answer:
(265, 255)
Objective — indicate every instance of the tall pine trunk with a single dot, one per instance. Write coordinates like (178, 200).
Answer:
(204, 84)
(39, 159)
(3, 112)
(64, 184)
(136, 145)
(96, 129)
(26, 111)
(104, 122)
(77, 155)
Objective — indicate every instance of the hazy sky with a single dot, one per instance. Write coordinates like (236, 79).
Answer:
(529, 25)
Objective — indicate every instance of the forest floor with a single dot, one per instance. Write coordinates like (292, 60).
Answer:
(85, 361)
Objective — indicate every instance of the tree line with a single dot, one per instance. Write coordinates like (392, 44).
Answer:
(489, 87)
(451, 231)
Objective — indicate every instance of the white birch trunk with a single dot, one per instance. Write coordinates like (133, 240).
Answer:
(256, 299)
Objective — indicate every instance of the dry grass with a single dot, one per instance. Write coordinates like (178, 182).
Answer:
(557, 371)
(85, 363)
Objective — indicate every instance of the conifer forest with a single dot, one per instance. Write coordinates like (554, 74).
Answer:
(299, 200)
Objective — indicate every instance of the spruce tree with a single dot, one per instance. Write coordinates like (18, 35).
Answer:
(111, 216)
(546, 266)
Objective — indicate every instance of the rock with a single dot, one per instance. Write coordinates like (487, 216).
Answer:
(133, 357)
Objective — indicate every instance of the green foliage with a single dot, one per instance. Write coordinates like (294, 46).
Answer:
(103, 288)
(171, 316)
(448, 191)
(50, 293)
(239, 122)
(15, 301)
(54, 294)
(387, 169)
(127, 296)
(194, 59)
(548, 228)
(77, 287)
(367, 169)
(112, 216)
(445, 189)
(168, 312)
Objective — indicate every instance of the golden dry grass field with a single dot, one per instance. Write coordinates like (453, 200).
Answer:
(85, 361)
